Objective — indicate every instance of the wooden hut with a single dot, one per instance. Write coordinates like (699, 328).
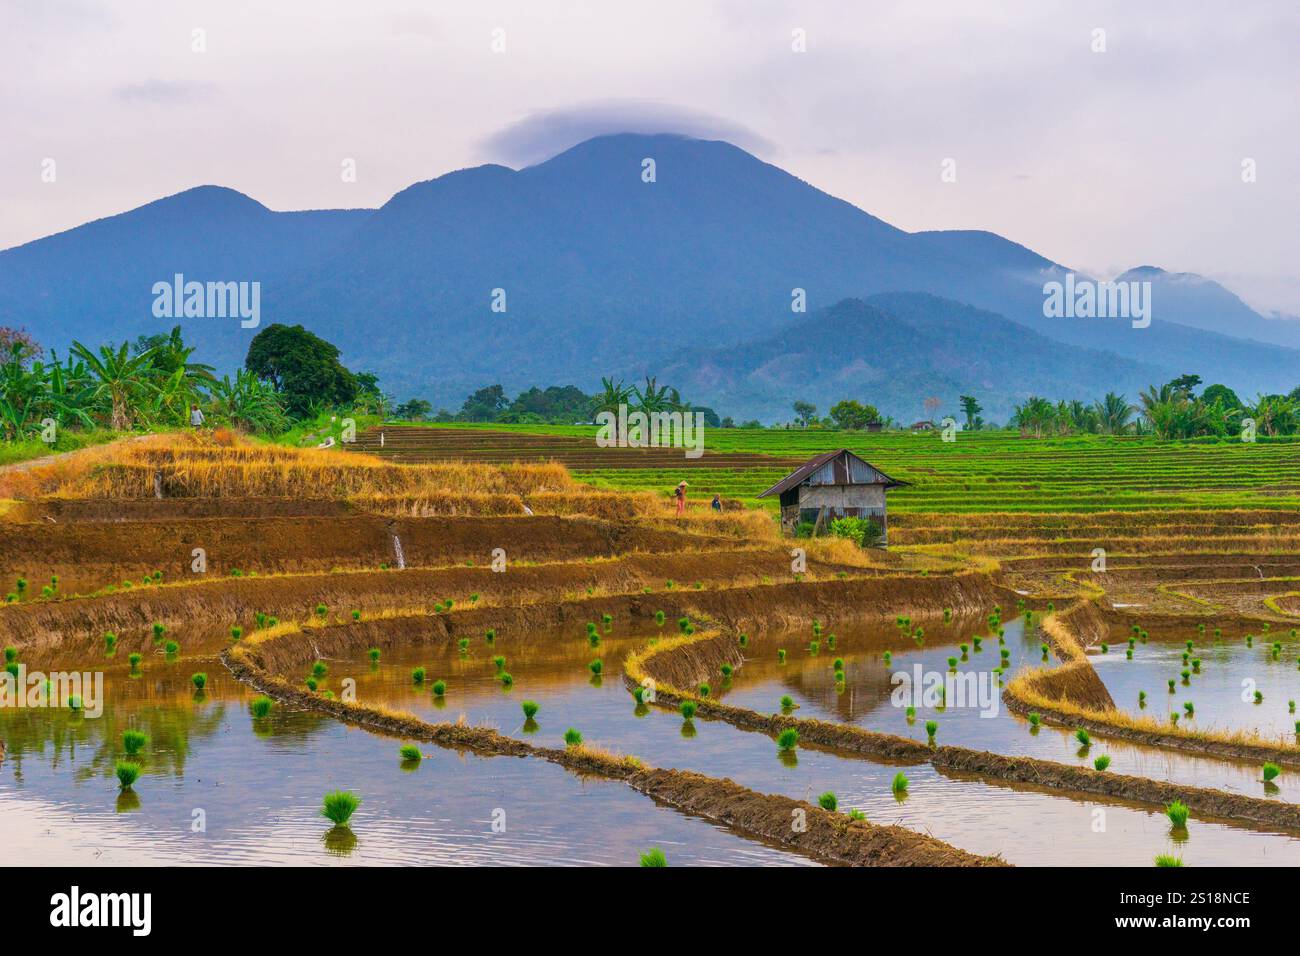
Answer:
(836, 484)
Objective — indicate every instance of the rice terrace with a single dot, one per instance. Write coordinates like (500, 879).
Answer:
(503, 645)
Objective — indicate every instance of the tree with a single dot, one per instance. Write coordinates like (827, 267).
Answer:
(121, 381)
(248, 402)
(302, 367)
(665, 399)
(1113, 413)
(851, 414)
(1186, 384)
(612, 395)
(1226, 397)
(805, 412)
(413, 410)
(485, 405)
(971, 408)
(16, 345)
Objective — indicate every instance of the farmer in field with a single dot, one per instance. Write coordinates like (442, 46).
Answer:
(680, 493)
(196, 416)
(717, 503)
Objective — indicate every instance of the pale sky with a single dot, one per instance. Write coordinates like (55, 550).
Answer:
(1099, 160)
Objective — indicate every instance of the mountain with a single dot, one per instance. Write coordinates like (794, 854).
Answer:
(897, 349)
(601, 271)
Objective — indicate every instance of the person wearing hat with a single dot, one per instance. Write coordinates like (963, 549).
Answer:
(681, 498)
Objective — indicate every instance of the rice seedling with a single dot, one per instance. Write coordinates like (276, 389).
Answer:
(1128, 654)
(473, 598)
(814, 647)
(857, 815)
(1166, 859)
(1177, 812)
(110, 642)
(158, 632)
(356, 616)
(1102, 762)
(965, 649)
(787, 740)
(952, 663)
(463, 644)
(780, 656)
(910, 714)
(830, 641)
(1142, 697)
(171, 648)
(593, 639)
(321, 611)
(260, 707)
(507, 679)
(75, 703)
(607, 619)
(260, 619)
(1171, 685)
(134, 660)
(596, 666)
(11, 654)
(311, 684)
(899, 784)
(339, 805)
(659, 618)
(12, 670)
(499, 662)
(1271, 771)
(319, 669)
(787, 702)
(199, 680)
(1290, 706)
(572, 738)
(1173, 718)
(410, 753)
(683, 623)
(888, 658)
(947, 614)
(373, 654)
(1035, 718)
(931, 728)
(1196, 665)
(1082, 736)
(236, 632)
(1190, 708)
(1105, 648)
(133, 741)
(655, 857)
(828, 801)
(705, 690)
(687, 708)
(744, 640)
(531, 707)
(726, 671)
(491, 635)
(127, 774)
(417, 675)
(440, 688)
(1259, 697)
(670, 584)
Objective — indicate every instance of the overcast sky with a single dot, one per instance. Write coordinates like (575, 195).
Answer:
(1099, 160)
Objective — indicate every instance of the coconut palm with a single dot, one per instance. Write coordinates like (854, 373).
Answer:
(652, 400)
(613, 395)
(1113, 414)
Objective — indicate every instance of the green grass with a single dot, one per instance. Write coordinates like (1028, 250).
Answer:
(1177, 812)
(127, 773)
(654, 857)
(133, 741)
(68, 440)
(410, 753)
(572, 738)
(260, 707)
(788, 739)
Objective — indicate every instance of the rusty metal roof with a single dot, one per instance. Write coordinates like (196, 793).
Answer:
(812, 465)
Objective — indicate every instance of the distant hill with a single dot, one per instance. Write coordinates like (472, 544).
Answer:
(895, 350)
(601, 271)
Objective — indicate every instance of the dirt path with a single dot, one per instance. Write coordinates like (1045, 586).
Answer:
(21, 466)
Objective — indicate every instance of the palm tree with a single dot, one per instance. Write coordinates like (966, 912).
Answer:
(612, 397)
(651, 400)
(1113, 413)
(122, 380)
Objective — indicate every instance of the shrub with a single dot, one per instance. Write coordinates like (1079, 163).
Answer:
(411, 753)
(787, 739)
(127, 773)
(655, 857)
(133, 741)
(828, 801)
(339, 805)
(572, 738)
(260, 707)
(199, 680)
